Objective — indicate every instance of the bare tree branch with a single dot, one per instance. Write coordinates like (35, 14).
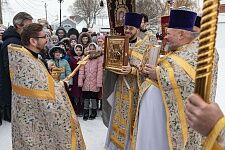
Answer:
(87, 9)
(156, 8)
(153, 8)
(191, 4)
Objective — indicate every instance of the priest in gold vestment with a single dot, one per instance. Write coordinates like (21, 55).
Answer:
(126, 90)
(161, 121)
(42, 115)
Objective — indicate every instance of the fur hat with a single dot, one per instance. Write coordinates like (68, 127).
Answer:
(84, 34)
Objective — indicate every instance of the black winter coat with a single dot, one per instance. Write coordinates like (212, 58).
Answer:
(10, 36)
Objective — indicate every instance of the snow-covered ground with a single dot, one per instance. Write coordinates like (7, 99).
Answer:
(5, 136)
(94, 132)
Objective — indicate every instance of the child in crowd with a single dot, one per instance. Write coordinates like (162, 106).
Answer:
(63, 46)
(101, 41)
(56, 54)
(55, 39)
(73, 32)
(73, 42)
(94, 37)
(61, 33)
(75, 91)
(84, 39)
(90, 79)
(66, 41)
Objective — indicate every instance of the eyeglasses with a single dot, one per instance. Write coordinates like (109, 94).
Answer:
(44, 37)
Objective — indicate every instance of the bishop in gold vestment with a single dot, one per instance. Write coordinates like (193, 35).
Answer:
(175, 76)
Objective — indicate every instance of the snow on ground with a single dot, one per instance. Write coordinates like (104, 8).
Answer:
(5, 136)
(94, 132)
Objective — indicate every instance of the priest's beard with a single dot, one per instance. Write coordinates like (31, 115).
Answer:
(133, 37)
(41, 47)
(195, 34)
(169, 48)
(131, 34)
(143, 30)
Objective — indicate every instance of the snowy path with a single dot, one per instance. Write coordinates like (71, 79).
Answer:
(94, 132)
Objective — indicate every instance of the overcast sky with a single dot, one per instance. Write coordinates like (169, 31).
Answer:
(37, 10)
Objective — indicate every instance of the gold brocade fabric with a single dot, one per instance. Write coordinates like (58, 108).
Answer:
(221, 138)
(144, 83)
(176, 85)
(125, 102)
(126, 97)
(42, 115)
(216, 138)
(176, 79)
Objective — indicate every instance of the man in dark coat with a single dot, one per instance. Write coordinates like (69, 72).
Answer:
(11, 35)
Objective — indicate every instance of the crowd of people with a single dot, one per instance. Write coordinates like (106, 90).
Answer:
(63, 50)
(145, 105)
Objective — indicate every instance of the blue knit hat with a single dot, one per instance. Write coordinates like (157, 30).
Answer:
(133, 19)
(182, 19)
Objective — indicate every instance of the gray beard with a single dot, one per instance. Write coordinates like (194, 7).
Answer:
(195, 34)
(169, 48)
